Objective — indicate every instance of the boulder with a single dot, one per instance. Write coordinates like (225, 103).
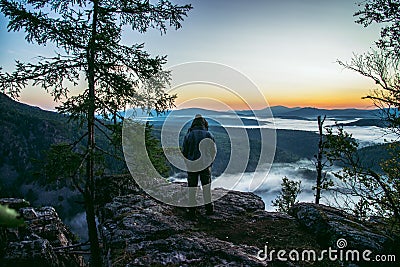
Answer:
(330, 225)
(39, 242)
(31, 250)
(14, 203)
(140, 231)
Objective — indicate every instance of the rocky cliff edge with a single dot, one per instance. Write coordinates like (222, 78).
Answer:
(140, 231)
(137, 230)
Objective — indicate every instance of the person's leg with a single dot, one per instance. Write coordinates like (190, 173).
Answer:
(192, 184)
(205, 178)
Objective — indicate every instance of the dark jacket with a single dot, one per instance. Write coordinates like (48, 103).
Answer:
(195, 134)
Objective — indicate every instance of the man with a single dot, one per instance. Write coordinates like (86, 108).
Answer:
(191, 150)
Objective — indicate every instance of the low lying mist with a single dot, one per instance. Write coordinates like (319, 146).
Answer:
(303, 170)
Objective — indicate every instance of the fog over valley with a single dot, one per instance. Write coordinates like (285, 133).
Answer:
(297, 138)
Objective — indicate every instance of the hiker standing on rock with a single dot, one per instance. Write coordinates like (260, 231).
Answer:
(199, 149)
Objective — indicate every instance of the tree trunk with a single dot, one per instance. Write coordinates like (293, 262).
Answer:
(96, 255)
(319, 160)
(96, 259)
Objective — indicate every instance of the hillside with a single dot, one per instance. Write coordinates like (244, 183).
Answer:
(27, 134)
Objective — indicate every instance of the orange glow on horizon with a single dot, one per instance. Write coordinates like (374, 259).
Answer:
(331, 100)
(290, 103)
(214, 98)
(362, 104)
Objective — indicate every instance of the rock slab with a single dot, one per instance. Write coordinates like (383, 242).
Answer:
(38, 242)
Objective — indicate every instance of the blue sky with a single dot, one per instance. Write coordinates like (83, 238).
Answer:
(287, 47)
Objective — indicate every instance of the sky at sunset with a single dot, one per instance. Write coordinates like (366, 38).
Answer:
(288, 48)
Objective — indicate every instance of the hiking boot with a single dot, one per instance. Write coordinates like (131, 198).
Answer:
(209, 209)
(192, 211)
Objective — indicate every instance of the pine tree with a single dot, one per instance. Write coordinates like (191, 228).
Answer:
(88, 37)
(287, 197)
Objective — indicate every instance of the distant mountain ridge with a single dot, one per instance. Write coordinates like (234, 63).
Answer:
(287, 112)
(309, 112)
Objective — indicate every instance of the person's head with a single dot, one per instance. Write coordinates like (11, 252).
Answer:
(199, 121)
